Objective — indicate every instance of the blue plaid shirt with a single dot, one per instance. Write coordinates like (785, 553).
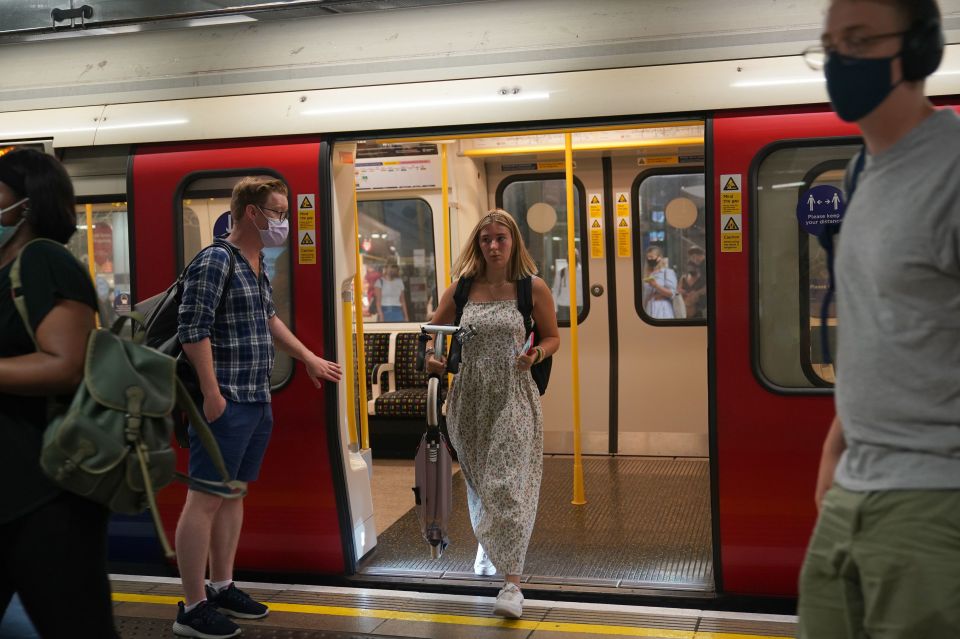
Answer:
(240, 336)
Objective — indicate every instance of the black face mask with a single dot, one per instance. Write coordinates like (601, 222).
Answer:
(653, 263)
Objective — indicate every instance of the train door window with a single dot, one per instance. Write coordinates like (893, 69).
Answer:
(103, 227)
(398, 260)
(670, 246)
(205, 214)
(791, 267)
(539, 205)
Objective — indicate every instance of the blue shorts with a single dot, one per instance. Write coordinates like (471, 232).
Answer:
(242, 433)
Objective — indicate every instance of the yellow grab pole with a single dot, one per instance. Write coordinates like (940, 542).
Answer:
(361, 351)
(579, 498)
(445, 207)
(347, 309)
(90, 261)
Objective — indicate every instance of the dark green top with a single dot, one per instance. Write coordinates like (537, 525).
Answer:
(48, 273)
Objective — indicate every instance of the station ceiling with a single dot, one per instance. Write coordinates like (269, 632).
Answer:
(51, 16)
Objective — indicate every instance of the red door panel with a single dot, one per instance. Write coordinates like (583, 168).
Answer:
(290, 521)
(767, 445)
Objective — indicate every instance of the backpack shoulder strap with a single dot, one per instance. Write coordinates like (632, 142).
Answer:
(525, 301)
(233, 264)
(461, 295)
(223, 244)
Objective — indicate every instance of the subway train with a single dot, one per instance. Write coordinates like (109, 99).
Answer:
(700, 426)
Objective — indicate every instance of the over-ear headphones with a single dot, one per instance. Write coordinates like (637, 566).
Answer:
(922, 49)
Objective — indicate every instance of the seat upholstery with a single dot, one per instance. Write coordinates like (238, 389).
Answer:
(410, 397)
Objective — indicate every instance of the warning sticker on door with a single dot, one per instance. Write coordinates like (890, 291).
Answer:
(307, 247)
(623, 236)
(731, 201)
(596, 205)
(596, 238)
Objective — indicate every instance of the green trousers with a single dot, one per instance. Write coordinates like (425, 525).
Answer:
(883, 565)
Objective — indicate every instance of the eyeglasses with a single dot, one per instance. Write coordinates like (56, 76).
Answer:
(851, 46)
(277, 215)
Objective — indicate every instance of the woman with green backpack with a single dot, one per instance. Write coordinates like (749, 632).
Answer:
(52, 543)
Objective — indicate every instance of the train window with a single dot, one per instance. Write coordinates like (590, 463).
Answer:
(205, 214)
(398, 260)
(539, 204)
(791, 267)
(103, 227)
(670, 246)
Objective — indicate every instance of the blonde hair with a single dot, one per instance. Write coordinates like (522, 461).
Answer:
(254, 189)
(471, 262)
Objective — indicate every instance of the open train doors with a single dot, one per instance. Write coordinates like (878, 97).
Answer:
(180, 196)
(413, 202)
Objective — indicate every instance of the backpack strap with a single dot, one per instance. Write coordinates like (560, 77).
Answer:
(826, 238)
(230, 270)
(461, 295)
(525, 301)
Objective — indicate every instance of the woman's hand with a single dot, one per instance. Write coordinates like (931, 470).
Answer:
(525, 361)
(436, 366)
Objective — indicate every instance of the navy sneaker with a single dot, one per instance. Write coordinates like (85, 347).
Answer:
(236, 603)
(204, 622)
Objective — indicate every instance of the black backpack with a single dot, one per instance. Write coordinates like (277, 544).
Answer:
(541, 370)
(159, 330)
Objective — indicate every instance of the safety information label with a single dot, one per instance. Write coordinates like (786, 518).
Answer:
(623, 205)
(731, 213)
(730, 194)
(306, 229)
(623, 236)
(596, 205)
(596, 238)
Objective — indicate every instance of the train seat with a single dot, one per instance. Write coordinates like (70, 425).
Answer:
(405, 395)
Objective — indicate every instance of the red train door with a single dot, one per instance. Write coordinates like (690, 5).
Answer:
(179, 197)
(773, 398)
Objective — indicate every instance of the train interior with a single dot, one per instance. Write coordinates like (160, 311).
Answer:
(646, 523)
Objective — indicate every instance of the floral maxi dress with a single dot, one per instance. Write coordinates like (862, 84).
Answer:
(496, 425)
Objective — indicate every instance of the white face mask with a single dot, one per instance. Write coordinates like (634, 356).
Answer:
(276, 232)
(7, 232)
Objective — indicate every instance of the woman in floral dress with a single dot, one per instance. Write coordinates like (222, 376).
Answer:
(493, 410)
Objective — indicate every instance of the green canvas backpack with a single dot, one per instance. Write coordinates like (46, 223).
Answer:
(112, 444)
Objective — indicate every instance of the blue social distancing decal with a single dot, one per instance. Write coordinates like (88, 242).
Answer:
(223, 224)
(819, 208)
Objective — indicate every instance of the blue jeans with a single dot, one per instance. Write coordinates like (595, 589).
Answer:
(242, 433)
(392, 313)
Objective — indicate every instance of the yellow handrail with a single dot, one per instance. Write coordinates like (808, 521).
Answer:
(347, 309)
(445, 208)
(579, 498)
(358, 309)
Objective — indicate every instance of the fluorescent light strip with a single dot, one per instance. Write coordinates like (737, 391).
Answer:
(84, 129)
(419, 104)
(788, 185)
(749, 84)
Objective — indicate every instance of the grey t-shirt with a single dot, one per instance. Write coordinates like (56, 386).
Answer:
(898, 310)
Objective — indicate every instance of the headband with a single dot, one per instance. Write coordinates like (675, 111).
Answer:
(12, 178)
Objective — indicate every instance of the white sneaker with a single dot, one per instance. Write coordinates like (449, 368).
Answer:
(509, 602)
(483, 565)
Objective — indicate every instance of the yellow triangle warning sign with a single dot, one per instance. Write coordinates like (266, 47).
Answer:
(731, 225)
(307, 240)
(307, 202)
(622, 198)
(731, 185)
(594, 200)
(596, 224)
(623, 222)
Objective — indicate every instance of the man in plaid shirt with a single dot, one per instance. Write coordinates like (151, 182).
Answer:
(232, 348)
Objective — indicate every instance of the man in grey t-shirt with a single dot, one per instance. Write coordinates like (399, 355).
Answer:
(884, 560)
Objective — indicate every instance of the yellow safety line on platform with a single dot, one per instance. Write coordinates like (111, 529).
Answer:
(463, 620)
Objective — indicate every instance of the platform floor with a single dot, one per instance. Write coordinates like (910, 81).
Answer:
(646, 525)
(145, 608)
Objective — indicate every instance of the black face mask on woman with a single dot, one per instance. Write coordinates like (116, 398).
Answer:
(653, 263)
